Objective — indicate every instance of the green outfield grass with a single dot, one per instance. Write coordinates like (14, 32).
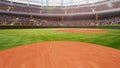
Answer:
(17, 37)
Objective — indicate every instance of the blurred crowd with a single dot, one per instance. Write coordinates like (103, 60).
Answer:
(94, 8)
(102, 22)
(19, 20)
(36, 21)
(19, 9)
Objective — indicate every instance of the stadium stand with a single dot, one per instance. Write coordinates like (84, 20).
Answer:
(71, 9)
(24, 15)
(26, 20)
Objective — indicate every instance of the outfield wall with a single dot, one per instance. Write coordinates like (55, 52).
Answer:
(36, 27)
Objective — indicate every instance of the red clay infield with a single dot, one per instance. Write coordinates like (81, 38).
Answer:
(88, 31)
(60, 54)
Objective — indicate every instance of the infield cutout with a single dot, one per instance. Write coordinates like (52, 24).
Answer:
(86, 31)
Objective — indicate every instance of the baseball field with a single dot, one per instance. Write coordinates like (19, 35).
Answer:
(60, 48)
(17, 37)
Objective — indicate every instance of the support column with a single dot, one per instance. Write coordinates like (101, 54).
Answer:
(47, 2)
(11, 1)
(28, 3)
(71, 2)
(61, 2)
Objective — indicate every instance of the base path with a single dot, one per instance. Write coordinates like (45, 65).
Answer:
(88, 31)
(60, 54)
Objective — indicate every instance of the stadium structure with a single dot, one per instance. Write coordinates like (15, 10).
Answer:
(59, 12)
(59, 33)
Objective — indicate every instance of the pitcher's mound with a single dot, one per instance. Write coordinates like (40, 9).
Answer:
(60, 54)
(88, 31)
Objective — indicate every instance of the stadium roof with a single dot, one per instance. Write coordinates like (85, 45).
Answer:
(57, 2)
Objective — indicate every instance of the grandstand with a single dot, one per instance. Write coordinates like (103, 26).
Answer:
(59, 13)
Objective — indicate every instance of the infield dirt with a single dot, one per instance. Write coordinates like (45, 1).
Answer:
(88, 31)
(60, 54)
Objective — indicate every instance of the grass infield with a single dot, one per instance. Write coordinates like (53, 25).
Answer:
(17, 37)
